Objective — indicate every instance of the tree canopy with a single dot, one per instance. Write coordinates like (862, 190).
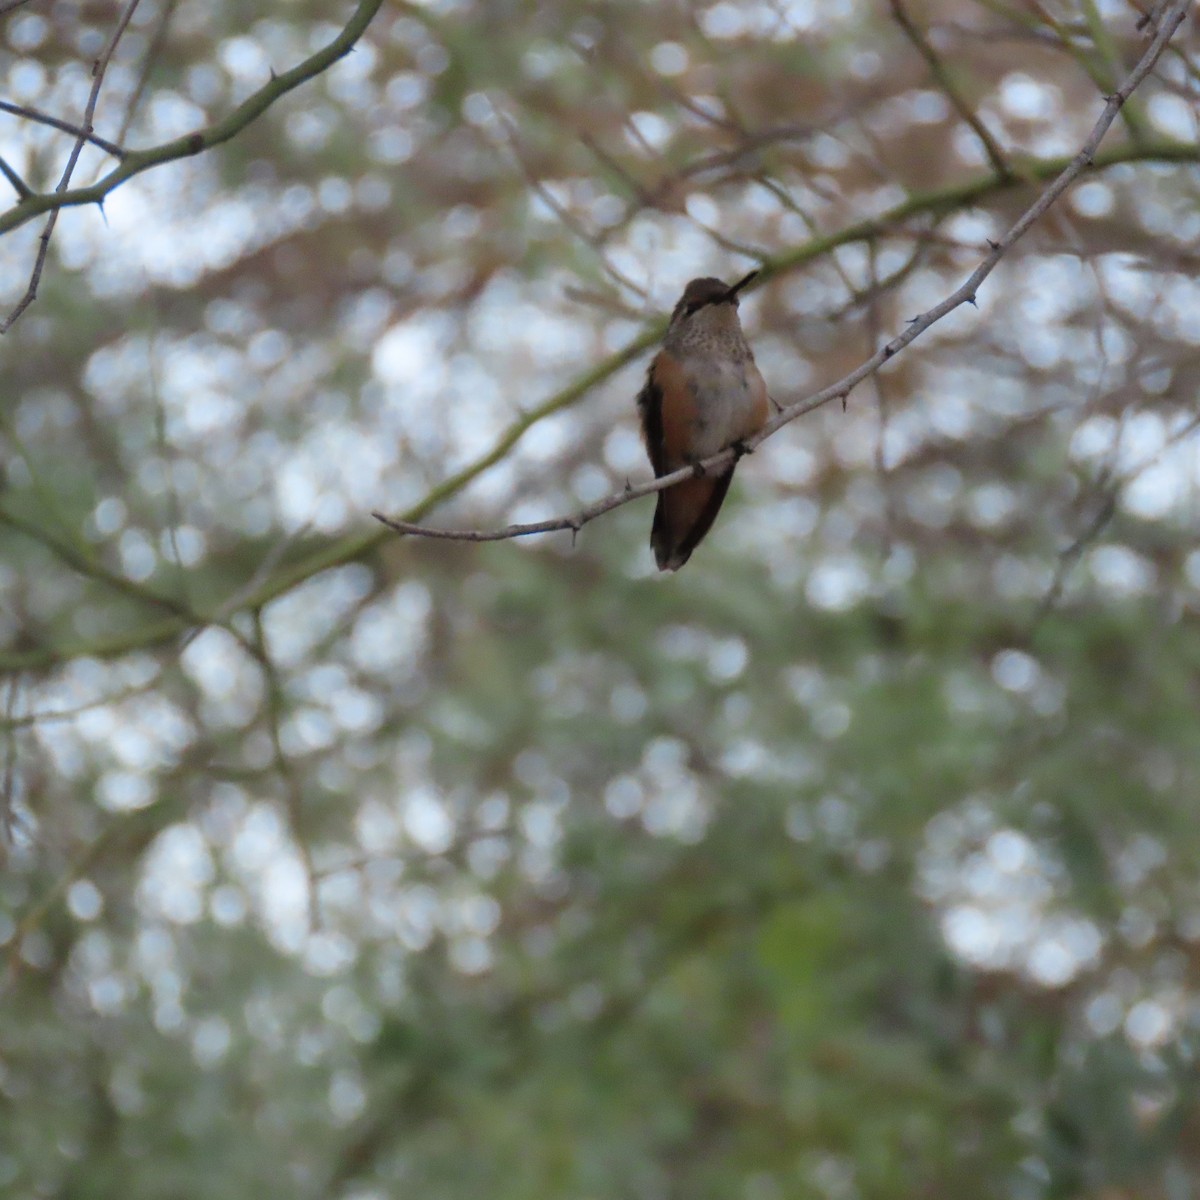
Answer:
(859, 859)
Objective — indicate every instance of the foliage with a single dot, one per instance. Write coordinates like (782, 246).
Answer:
(857, 859)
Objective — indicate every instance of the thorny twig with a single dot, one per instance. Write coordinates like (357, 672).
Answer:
(133, 162)
(98, 69)
(18, 184)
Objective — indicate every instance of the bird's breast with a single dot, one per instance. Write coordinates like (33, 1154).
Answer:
(729, 402)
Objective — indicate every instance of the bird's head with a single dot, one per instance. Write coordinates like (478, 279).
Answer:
(707, 293)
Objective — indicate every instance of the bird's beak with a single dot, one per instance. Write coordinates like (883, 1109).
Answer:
(737, 287)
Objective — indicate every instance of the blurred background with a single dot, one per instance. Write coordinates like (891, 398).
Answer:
(858, 859)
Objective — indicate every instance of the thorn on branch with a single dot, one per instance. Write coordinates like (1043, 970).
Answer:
(971, 301)
(844, 395)
(23, 190)
(993, 245)
(888, 351)
(698, 470)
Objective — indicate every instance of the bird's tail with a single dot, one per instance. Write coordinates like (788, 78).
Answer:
(685, 513)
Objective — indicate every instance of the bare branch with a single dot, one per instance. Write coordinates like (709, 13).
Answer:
(80, 561)
(1110, 58)
(9, 778)
(98, 70)
(1092, 63)
(964, 294)
(33, 114)
(944, 80)
(1072, 554)
(157, 41)
(569, 221)
(293, 793)
(191, 144)
(1110, 496)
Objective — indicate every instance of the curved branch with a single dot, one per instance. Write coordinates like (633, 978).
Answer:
(944, 80)
(964, 294)
(99, 67)
(137, 161)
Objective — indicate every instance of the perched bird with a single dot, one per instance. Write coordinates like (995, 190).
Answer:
(703, 393)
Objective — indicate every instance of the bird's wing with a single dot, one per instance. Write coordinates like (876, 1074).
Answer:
(649, 404)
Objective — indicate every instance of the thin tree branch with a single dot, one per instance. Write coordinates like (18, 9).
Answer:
(9, 778)
(134, 828)
(964, 294)
(99, 67)
(82, 563)
(1072, 554)
(157, 41)
(1110, 496)
(273, 705)
(568, 219)
(191, 144)
(944, 81)
(33, 114)
(1106, 50)
(12, 720)
(1067, 34)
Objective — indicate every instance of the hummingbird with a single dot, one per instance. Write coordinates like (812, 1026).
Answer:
(703, 393)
